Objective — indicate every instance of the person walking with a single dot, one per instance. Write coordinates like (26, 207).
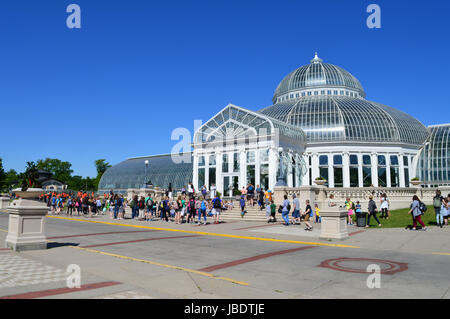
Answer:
(307, 214)
(217, 207)
(445, 211)
(437, 205)
(296, 211)
(417, 212)
(202, 212)
(286, 207)
(242, 204)
(251, 194)
(384, 206)
(372, 212)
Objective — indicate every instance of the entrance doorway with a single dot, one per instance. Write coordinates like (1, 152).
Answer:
(230, 183)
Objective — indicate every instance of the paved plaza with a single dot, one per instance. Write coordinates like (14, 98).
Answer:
(127, 259)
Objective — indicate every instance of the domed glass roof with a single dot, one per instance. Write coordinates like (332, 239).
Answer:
(341, 118)
(317, 75)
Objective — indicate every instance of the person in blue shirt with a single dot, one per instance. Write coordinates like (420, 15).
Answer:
(285, 210)
(242, 204)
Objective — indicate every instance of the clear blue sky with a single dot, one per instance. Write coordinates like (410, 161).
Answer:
(137, 69)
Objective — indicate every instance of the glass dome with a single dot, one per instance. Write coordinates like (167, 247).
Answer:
(335, 118)
(317, 75)
(434, 160)
(161, 171)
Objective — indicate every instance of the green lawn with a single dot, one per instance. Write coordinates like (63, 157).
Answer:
(400, 219)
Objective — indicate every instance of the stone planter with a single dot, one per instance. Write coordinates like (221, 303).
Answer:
(4, 202)
(26, 228)
(416, 183)
(334, 223)
(320, 182)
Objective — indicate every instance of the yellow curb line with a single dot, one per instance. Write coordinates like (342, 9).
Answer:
(209, 234)
(442, 254)
(164, 265)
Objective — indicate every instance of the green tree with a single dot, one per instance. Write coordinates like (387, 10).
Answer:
(2, 176)
(61, 170)
(12, 180)
(101, 165)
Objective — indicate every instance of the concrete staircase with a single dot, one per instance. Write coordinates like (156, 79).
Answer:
(253, 214)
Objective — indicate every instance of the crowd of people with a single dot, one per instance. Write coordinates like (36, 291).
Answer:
(190, 208)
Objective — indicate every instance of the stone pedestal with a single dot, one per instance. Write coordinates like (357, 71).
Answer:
(334, 223)
(26, 229)
(4, 202)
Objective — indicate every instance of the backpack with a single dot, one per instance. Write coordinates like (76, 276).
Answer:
(132, 204)
(353, 206)
(149, 202)
(192, 206)
(217, 204)
(422, 207)
(437, 202)
(141, 204)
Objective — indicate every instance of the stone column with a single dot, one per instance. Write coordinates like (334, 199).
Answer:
(315, 167)
(346, 169)
(388, 170)
(330, 171)
(272, 167)
(334, 223)
(360, 171)
(401, 170)
(243, 169)
(374, 159)
(195, 171)
(219, 177)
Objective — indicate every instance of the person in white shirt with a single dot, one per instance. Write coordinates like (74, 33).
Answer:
(384, 206)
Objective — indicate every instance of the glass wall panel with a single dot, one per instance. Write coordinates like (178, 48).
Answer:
(250, 157)
(353, 160)
(264, 176)
(212, 160)
(323, 160)
(226, 186)
(367, 176)
(251, 174)
(382, 179)
(324, 173)
(236, 165)
(406, 177)
(225, 163)
(212, 176)
(394, 160)
(395, 177)
(367, 160)
(354, 180)
(201, 161)
(381, 160)
(337, 159)
(338, 180)
(264, 156)
(201, 178)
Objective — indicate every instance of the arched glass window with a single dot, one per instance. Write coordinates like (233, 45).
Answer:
(354, 171)
(382, 176)
(367, 171)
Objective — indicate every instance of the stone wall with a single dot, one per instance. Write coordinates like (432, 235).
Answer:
(398, 197)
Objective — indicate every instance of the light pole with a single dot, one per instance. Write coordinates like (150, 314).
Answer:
(146, 168)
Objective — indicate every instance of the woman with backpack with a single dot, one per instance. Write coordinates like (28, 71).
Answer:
(372, 212)
(285, 208)
(202, 212)
(417, 211)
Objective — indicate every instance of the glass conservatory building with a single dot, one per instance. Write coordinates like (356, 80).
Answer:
(320, 125)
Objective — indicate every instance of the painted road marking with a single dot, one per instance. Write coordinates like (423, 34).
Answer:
(100, 234)
(254, 258)
(208, 234)
(442, 254)
(59, 291)
(137, 241)
(201, 273)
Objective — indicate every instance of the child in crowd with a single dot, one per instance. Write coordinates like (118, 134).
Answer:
(317, 213)
(273, 210)
(242, 204)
